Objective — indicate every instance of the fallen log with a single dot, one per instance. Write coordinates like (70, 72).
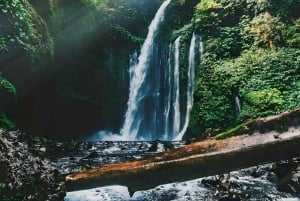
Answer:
(200, 159)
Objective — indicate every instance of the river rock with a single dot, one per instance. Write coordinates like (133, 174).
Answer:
(291, 182)
(25, 176)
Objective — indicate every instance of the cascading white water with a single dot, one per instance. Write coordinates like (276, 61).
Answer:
(176, 95)
(168, 78)
(201, 48)
(191, 82)
(238, 105)
(137, 91)
(155, 112)
(133, 58)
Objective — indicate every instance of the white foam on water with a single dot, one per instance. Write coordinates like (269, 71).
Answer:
(109, 193)
(160, 147)
(112, 150)
(101, 136)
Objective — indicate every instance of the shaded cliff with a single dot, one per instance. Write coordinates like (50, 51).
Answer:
(68, 61)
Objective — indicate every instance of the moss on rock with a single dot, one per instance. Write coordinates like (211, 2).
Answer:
(279, 123)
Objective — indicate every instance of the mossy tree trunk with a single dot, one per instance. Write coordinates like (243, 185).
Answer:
(199, 159)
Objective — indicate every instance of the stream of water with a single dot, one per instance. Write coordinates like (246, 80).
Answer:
(252, 184)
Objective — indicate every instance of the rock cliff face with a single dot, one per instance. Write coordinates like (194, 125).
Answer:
(68, 61)
(24, 176)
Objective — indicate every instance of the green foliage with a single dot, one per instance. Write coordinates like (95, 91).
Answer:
(264, 99)
(7, 87)
(206, 5)
(207, 17)
(95, 3)
(283, 8)
(212, 111)
(8, 94)
(28, 29)
(7, 194)
(185, 30)
(238, 130)
(262, 23)
(121, 32)
(261, 103)
(227, 44)
(268, 30)
(3, 43)
(258, 6)
(292, 96)
(267, 83)
(6, 123)
(293, 34)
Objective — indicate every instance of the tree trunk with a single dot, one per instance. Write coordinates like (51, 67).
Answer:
(200, 159)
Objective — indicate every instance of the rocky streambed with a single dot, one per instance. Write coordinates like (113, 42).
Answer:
(265, 182)
(239, 185)
(26, 174)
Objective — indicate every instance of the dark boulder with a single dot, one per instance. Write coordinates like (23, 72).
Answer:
(291, 182)
(25, 176)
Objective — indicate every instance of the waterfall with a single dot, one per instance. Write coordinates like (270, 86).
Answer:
(237, 104)
(154, 103)
(176, 95)
(133, 59)
(201, 48)
(191, 82)
(139, 93)
(156, 107)
(168, 87)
